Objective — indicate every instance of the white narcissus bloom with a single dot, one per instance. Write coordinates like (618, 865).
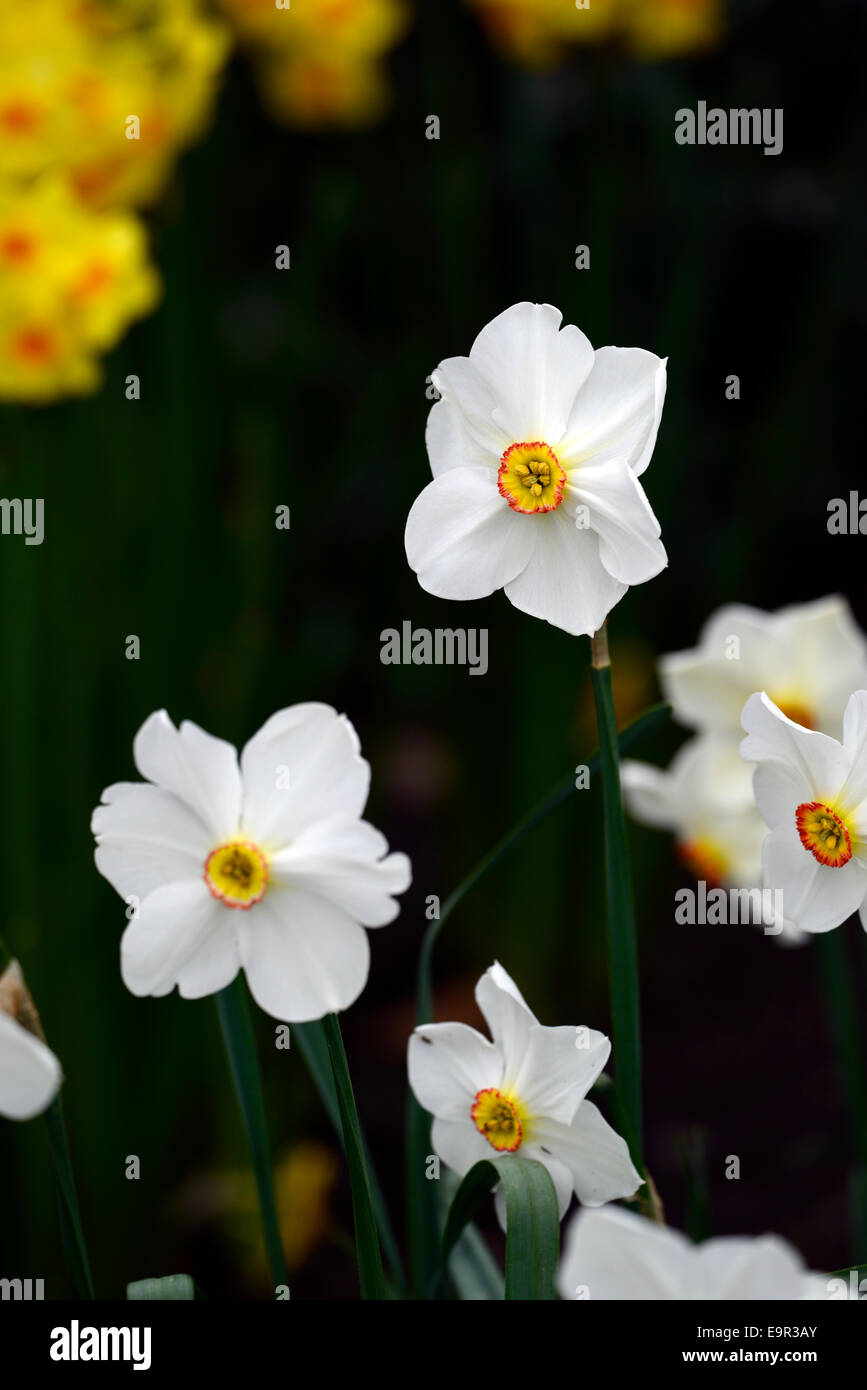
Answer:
(536, 448)
(523, 1093)
(30, 1074)
(614, 1254)
(809, 658)
(812, 792)
(265, 865)
(705, 797)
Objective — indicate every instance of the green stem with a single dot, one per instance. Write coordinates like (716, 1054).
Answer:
(233, 1009)
(622, 947)
(71, 1231)
(366, 1239)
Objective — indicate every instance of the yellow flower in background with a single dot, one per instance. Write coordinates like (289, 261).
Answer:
(107, 93)
(669, 28)
(535, 32)
(320, 61)
(71, 282)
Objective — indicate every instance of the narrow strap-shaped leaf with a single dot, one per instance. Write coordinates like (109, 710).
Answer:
(370, 1273)
(172, 1288)
(620, 916)
(313, 1045)
(532, 1222)
(234, 1013)
(71, 1230)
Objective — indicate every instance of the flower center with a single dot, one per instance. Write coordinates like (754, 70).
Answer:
(796, 710)
(496, 1117)
(824, 833)
(237, 874)
(531, 478)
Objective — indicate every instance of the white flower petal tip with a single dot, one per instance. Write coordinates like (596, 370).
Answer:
(535, 447)
(808, 658)
(261, 863)
(612, 1253)
(523, 1091)
(811, 791)
(30, 1074)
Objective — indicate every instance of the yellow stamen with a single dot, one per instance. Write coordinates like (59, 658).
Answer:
(237, 874)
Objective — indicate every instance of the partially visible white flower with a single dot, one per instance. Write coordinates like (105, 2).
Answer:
(808, 657)
(536, 448)
(812, 793)
(522, 1093)
(266, 865)
(705, 797)
(615, 1254)
(30, 1074)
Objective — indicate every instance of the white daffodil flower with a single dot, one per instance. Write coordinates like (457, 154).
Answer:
(705, 797)
(523, 1093)
(265, 864)
(614, 1254)
(809, 658)
(812, 793)
(30, 1074)
(536, 448)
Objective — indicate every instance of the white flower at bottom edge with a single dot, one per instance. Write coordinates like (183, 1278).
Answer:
(536, 448)
(522, 1093)
(30, 1074)
(266, 865)
(812, 793)
(615, 1254)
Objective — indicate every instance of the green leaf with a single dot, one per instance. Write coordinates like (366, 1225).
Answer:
(620, 916)
(172, 1288)
(474, 1272)
(313, 1045)
(421, 1214)
(532, 1222)
(370, 1273)
(71, 1230)
(233, 1009)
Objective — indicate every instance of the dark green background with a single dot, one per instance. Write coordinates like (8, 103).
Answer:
(307, 388)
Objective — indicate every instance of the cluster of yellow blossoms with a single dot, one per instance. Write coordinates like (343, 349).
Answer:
(537, 32)
(321, 62)
(96, 99)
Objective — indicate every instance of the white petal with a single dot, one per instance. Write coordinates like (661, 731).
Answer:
(797, 764)
(173, 926)
(30, 1074)
(558, 1068)
(463, 539)
(853, 793)
(816, 898)
(216, 962)
(650, 795)
(744, 1267)
(707, 685)
(594, 1153)
(508, 1017)
(614, 1254)
(346, 861)
(200, 770)
(449, 1063)
(460, 1144)
(565, 581)
(304, 765)
(535, 370)
(616, 414)
(462, 431)
(620, 514)
(303, 956)
(146, 837)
